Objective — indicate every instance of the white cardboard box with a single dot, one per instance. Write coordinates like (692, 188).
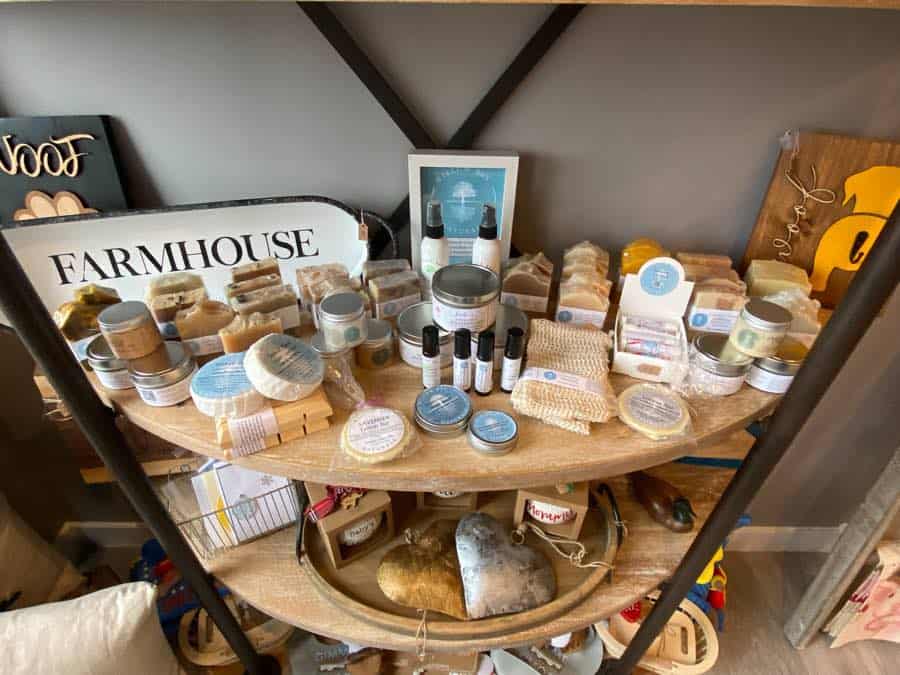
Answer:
(657, 291)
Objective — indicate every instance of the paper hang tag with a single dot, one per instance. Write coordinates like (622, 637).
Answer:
(248, 434)
(562, 379)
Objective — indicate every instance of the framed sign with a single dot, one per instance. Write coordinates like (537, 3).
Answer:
(57, 166)
(123, 250)
(463, 182)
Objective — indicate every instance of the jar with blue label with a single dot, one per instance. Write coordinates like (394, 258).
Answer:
(443, 411)
(493, 432)
(342, 320)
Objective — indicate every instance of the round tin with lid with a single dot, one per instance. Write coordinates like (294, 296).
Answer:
(465, 296)
(163, 377)
(507, 317)
(443, 411)
(716, 368)
(775, 373)
(760, 327)
(129, 329)
(342, 320)
(493, 432)
(112, 372)
(378, 349)
(410, 324)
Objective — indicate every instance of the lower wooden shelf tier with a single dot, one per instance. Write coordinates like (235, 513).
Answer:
(544, 455)
(266, 573)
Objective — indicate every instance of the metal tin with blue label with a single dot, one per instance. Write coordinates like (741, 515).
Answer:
(443, 411)
(493, 432)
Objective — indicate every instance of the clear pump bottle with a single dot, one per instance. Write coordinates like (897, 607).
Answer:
(486, 249)
(435, 250)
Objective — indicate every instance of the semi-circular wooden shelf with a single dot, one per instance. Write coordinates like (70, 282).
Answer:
(544, 455)
(266, 573)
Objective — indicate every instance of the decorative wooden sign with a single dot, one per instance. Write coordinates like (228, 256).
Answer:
(123, 250)
(57, 166)
(828, 201)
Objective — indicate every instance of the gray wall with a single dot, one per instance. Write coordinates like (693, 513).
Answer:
(641, 121)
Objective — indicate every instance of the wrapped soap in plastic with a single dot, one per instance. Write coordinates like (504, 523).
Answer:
(243, 331)
(393, 293)
(656, 411)
(527, 282)
(172, 283)
(804, 310)
(637, 252)
(372, 269)
(252, 284)
(342, 388)
(280, 301)
(374, 434)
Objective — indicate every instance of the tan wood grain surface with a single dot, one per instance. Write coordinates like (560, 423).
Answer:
(544, 455)
(266, 573)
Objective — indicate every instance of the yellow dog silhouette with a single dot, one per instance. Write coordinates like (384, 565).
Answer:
(847, 241)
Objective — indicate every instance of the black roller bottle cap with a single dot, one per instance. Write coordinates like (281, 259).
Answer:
(488, 227)
(430, 342)
(462, 343)
(515, 339)
(486, 345)
(434, 223)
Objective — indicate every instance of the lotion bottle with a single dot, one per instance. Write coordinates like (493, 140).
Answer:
(484, 363)
(462, 359)
(435, 250)
(431, 357)
(486, 249)
(512, 359)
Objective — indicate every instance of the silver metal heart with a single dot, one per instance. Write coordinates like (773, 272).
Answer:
(499, 577)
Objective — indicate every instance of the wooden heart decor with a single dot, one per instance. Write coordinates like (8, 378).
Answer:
(425, 574)
(500, 577)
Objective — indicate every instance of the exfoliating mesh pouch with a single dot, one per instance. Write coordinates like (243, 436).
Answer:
(566, 383)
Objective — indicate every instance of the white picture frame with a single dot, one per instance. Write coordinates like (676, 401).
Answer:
(480, 177)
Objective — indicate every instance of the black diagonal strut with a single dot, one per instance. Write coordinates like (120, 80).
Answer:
(539, 44)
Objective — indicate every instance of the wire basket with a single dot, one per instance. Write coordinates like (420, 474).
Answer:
(212, 531)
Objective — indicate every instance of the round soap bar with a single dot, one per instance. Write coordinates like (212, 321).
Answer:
(283, 367)
(221, 388)
(549, 514)
(654, 410)
(373, 435)
(360, 532)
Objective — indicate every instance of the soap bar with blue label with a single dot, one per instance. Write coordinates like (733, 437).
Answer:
(221, 388)
(283, 367)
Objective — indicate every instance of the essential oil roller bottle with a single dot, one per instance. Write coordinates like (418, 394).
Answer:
(431, 357)
(512, 359)
(462, 359)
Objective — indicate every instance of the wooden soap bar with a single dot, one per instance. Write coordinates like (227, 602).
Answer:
(239, 287)
(280, 300)
(173, 283)
(243, 331)
(255, 269)
(398, 290)
(372, 269)
(308, 428)
(704, 259)
(697, 272)
(583, 297)
(199, 326)
(765, 277)
(165, 307)
(527, 279)
(283, 417)
(589, 249)
(601, 284)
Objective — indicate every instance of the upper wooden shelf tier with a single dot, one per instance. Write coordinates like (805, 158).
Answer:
(545, 454)
(850, 4)
(266, 573)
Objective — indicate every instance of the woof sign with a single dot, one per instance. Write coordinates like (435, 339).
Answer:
(54, 157)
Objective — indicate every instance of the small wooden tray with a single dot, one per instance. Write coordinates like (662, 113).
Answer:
(354, 589)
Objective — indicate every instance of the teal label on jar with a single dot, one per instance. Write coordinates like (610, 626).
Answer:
(382, 356)
(351, 334)
(494, 426)
(747, 338)
(443, 404)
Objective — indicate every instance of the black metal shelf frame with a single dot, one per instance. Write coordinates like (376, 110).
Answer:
(868, 292)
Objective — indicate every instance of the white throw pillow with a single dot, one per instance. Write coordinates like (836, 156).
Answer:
(109, 632)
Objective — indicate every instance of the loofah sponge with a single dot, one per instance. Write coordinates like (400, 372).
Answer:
(567, 385)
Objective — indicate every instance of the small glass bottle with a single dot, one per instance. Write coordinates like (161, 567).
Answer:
(512, 359)
(462, 363)
(486, 248)
(484, 363)
(431, 357)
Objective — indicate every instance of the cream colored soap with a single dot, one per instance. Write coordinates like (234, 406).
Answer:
(527, 279)
(255, 269)
(765, 277)
(243, 331)
(204, 318)
(372, 269)
(165, 307)
(704, 259)
(239, 287)
(583, 297)
(264, 300)
(172, 284)
(695, 272)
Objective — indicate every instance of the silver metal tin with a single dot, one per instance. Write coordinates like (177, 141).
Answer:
(100, 356)
(168, 365)
(490, 447)
(413, 319)
(341, 307)
(715, 355)
(465, 285)
(437, 430)
(324, 350)
(785, 361)
(124, 316)
(766, 315)
(378, 330)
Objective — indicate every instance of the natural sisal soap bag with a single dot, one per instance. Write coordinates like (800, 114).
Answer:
(566, 381)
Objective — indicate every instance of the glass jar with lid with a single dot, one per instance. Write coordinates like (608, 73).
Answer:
(129, 329)
(377, 351)
(760, 328)
(163, 377)
(715, 368)
(774, 374)
(342, 320)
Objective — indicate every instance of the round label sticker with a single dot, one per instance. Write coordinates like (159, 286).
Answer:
(375, 430)
(351, 334)
(550, 375)
(564, 316)
(659, 278)
(699, 320)
(494, 426)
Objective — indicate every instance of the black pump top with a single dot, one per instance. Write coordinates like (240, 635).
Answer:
(486, 345)
(488, 227)
(434, 223)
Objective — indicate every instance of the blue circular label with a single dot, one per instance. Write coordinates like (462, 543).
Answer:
(494, 426)
(699, 320)
(511, 300)
(550, 375)
(443, 404)
(565, 316)
(222, 377)
(659, 278)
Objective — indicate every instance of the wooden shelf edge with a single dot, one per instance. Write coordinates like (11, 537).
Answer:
(267, 574)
